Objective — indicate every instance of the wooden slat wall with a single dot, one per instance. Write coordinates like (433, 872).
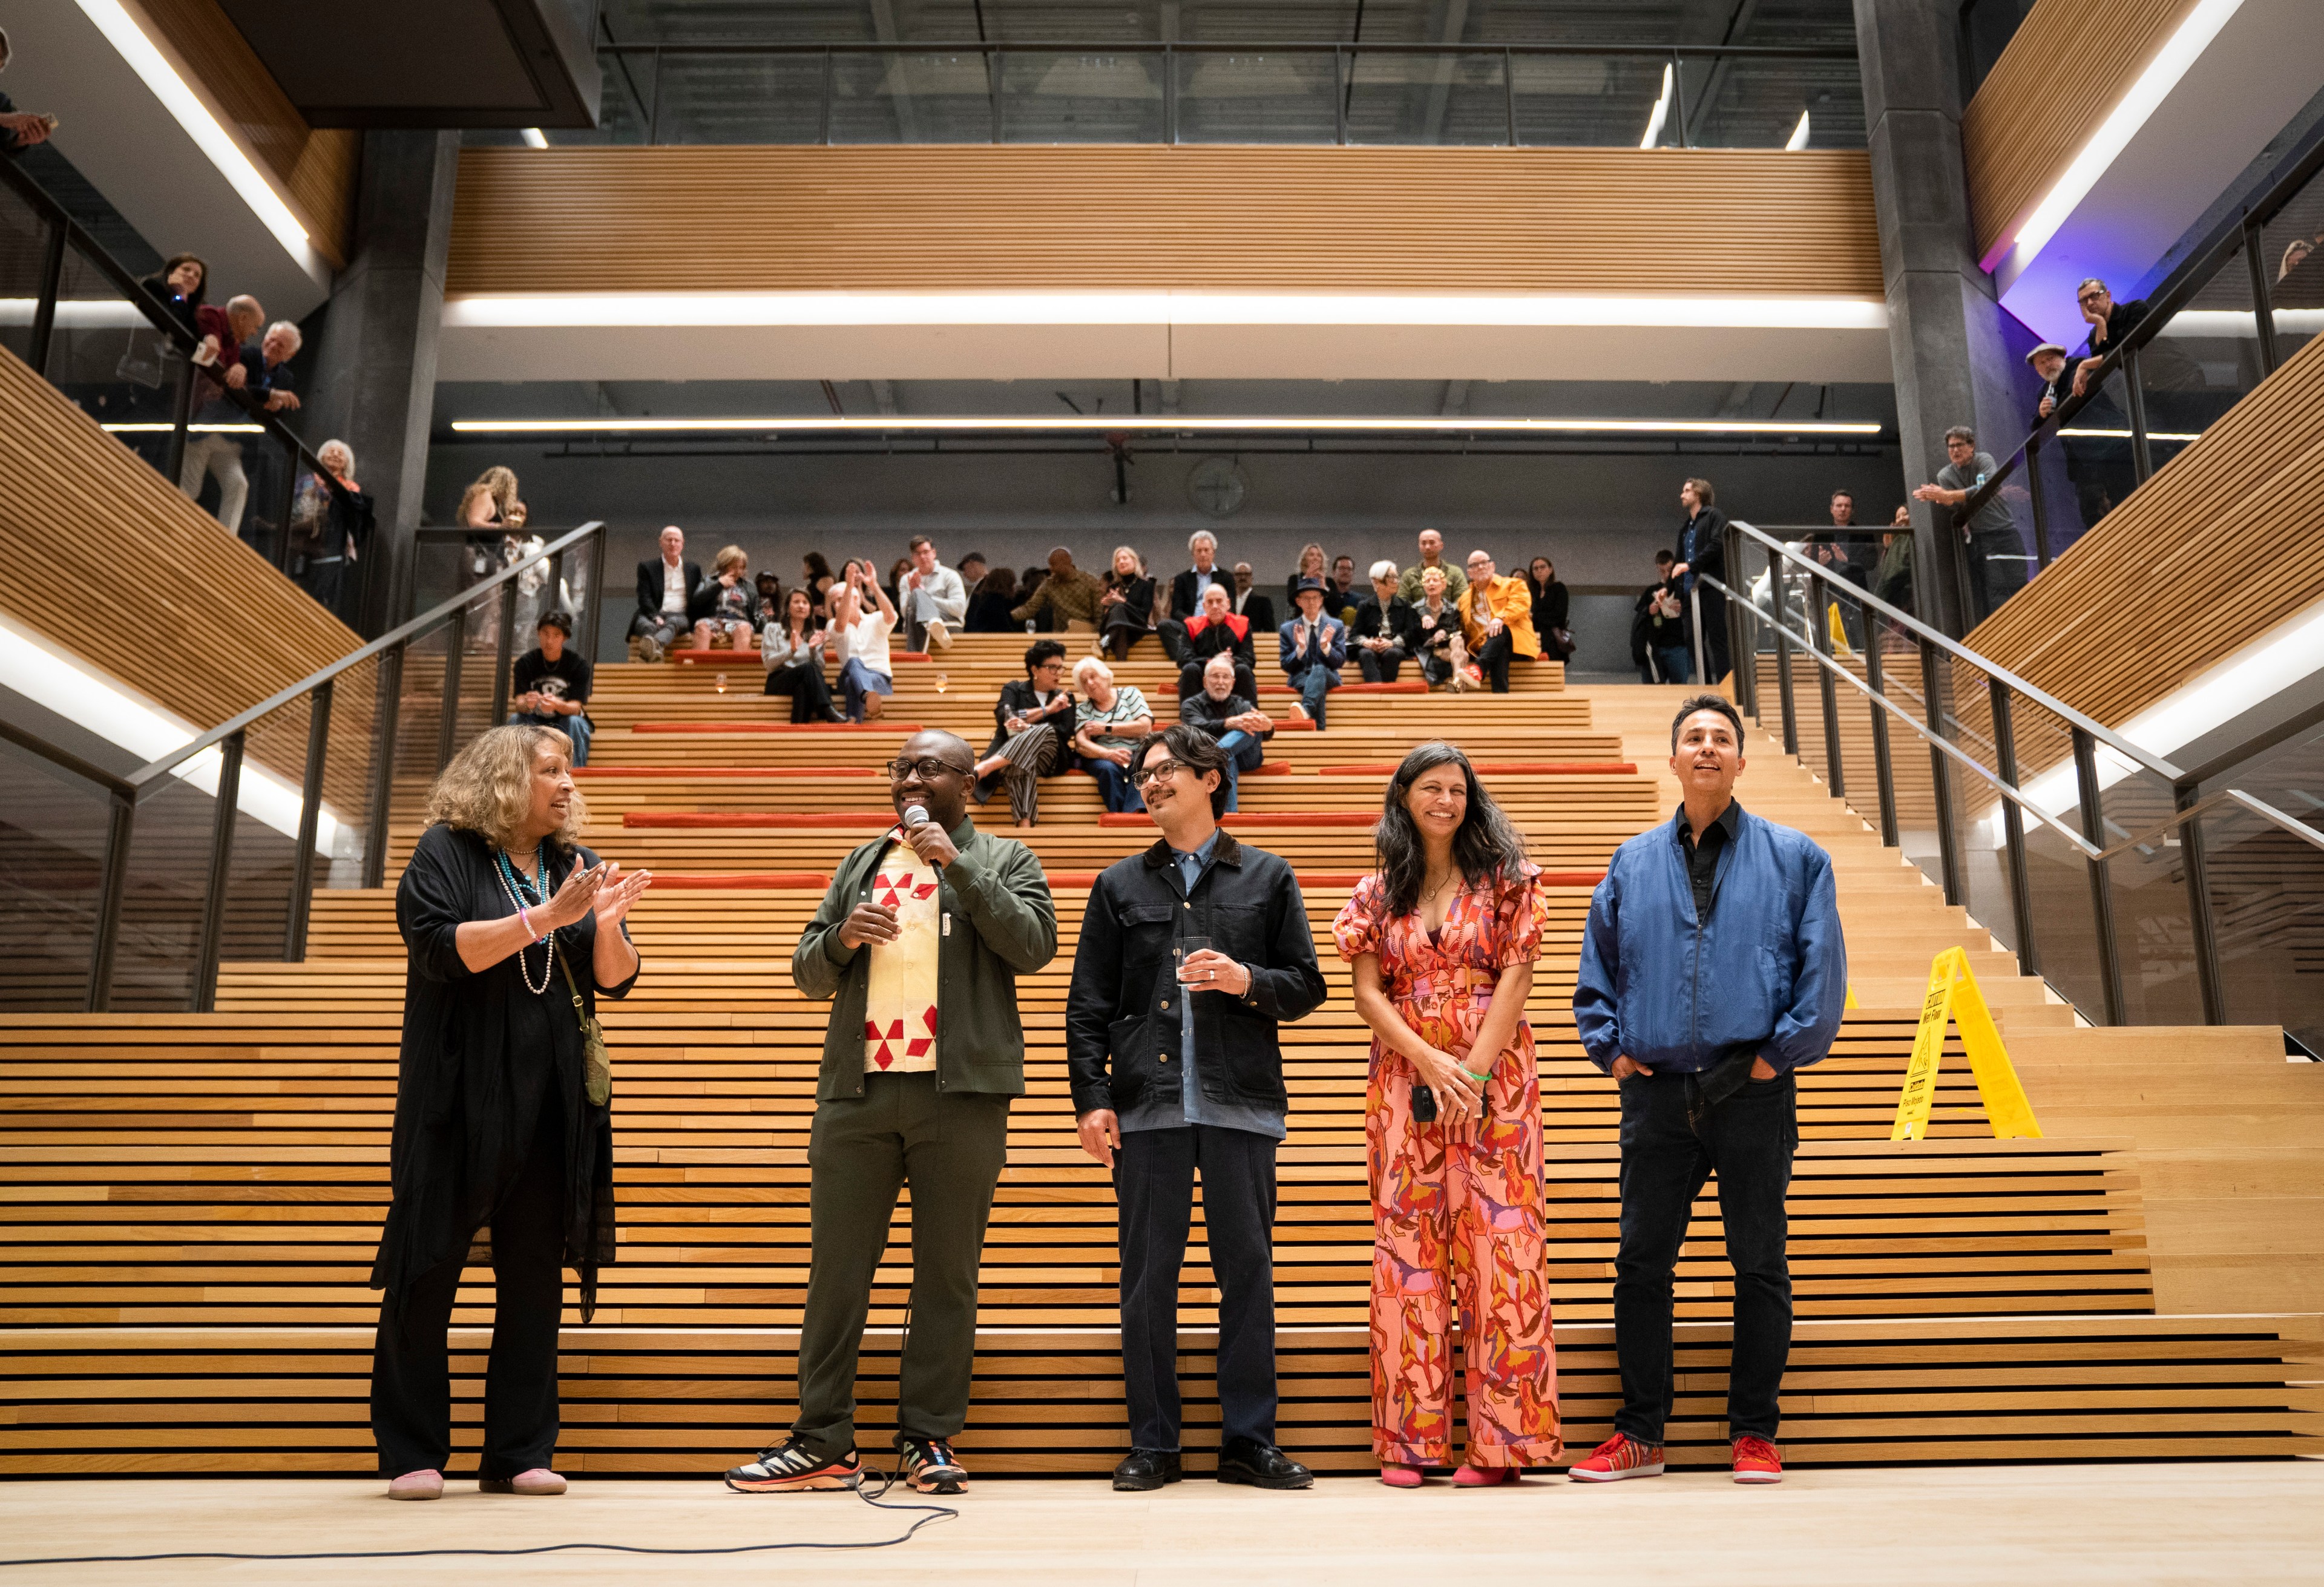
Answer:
(2213, 551)
(2065, 69)
(216, 628)
(316, 165)
(1215, 217)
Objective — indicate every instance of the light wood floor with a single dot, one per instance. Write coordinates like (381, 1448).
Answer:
(2051, 1525)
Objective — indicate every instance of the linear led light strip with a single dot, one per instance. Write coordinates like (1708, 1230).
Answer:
(886, 424)
(191, 113)
(2162, 75)
(596, 311)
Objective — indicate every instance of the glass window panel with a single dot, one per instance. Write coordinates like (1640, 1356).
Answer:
(2202, 362)
(1082, 97)
(1258, 96)
(1448, 97)
(944, 97)
(727, 97)
(1739, 102)
(2292, 252)
(52, 830)
(23, 244)
(1592, 101)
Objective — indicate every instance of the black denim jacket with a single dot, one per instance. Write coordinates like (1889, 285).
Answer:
(1122, 1014)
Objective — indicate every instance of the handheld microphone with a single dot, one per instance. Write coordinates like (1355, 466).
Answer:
(916, 815)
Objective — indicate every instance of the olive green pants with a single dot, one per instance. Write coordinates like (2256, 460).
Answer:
(949, 1147)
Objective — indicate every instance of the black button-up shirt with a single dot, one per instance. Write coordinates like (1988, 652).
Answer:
(1702, 858)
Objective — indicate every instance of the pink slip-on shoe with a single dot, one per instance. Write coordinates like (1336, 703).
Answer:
(539, 1483)
(1402, 1476)
(423, 1484)
(1484, 1476)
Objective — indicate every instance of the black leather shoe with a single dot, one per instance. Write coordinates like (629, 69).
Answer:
(1142, 1470)
(1261, 1465)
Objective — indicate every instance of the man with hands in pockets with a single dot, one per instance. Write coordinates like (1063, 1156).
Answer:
(1712, 968)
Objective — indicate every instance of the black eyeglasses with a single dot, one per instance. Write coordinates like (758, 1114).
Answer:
(927, 766)
(1153, 771)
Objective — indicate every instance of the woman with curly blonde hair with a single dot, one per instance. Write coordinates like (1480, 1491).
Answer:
(502, 1120)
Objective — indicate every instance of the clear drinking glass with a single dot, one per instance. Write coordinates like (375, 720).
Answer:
(1186, 947)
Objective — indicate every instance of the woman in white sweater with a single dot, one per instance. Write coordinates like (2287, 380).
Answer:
(862, 619)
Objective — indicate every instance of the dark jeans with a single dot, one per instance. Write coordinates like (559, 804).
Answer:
(1749, 1140)
(1244, 753)
(1675, 663)
(1997, 569)
(411, 1373)
(576, 728)
(810, 693)
(1377, 665)
(1190, 680)
(1172, 632)
(1154, 1183)
(949, 1147)
(1113, 786)
(1714, 635)
(1493, 658)
(1314, 685)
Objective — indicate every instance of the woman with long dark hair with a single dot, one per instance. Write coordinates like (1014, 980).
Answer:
(793, 650)
(1442, 941)
(503, 1103)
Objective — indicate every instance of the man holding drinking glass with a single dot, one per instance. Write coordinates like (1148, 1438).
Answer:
(1195, 925)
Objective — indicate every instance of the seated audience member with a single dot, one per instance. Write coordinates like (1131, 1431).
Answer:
(988, 606)
(1312, 648)
(1251, 603)
(20, 129)
(327, 528)
(1216, 631)
(1240, 727)
(895, 585)
(665, 586)
(817, 577)
(1186, 587)
(792, 647)
(1435, 628)
(1432, 558)
(1341, 596)
(931, 597)
(1032, 732)
(216, 452)
(863, 617)
(1126, 603)
(725, 605)
(2109, 323)
(972, 569)
(1044, 622)
(1067, 596)
(1497, 620)
(1997, 555)
(1312, 564)
(2050, 364)
(1107, 726)
(1382, 635)
(1658, 630)
(1553, 606)
(769, 605)
(551, 686)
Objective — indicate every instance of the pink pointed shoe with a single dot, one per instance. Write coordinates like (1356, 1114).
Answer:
(539, 1483)
(421, 1484)
(1402, 1476)
(1484, 1476)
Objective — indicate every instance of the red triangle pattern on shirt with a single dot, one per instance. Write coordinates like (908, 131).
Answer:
(882, 1045)
(889, 891)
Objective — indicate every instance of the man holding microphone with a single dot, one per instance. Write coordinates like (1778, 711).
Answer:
(1190, 954)
(918, 944)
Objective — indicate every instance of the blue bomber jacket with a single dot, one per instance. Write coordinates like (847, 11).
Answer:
(1766, 968)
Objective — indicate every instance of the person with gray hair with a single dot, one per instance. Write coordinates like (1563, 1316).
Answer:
(209, 451)
(1186, 587)
(1239, 728)
(20, 129)
(1386, 628)
(1995, 552)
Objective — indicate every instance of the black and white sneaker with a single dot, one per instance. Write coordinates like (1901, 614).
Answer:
(930, 1467)
(791, 1468)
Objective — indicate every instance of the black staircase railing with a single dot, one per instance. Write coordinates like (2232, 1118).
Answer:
(330, 766)
(2094, 861)
(100, 335)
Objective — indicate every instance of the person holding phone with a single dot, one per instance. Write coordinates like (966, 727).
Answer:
(513, 930)
(1032, 729)
(918, 944)
(1442, 940)
(1191, 954)
(863, 617)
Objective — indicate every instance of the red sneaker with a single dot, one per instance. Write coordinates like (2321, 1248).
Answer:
(1757, 1461)
(1619, 1457)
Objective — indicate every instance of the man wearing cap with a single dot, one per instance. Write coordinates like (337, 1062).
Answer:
(2048, 362)
(1313, 648)
(549, 686)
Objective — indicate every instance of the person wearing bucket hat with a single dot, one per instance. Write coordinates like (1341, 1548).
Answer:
(2048, 362)
(549, 686)
(1313, 648)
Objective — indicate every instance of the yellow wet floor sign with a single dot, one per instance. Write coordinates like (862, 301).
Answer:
(1953, 996)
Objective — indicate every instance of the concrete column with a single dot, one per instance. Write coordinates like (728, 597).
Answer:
(1946, 334)
(375, 375)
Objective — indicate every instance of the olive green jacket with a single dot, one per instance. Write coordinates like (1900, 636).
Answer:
(997, 922)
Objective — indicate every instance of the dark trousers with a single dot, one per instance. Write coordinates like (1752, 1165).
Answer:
(410, 1372)
(1172, 632)
(1154, 1184)
(1379, 666)
(809, 691)
(1714, 635)
(1493, 658)
(1749, 1140)
(1115, 788)
(949, 1147)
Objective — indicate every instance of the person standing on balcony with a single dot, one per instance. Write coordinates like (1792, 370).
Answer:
(1702, 550)
(1713, 968)
(503, 1112)
(1441, 940)
(918, 944)
(1192, 954)
(1997, 555)
(210, 450)
(20, 129)
(2110, 324)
